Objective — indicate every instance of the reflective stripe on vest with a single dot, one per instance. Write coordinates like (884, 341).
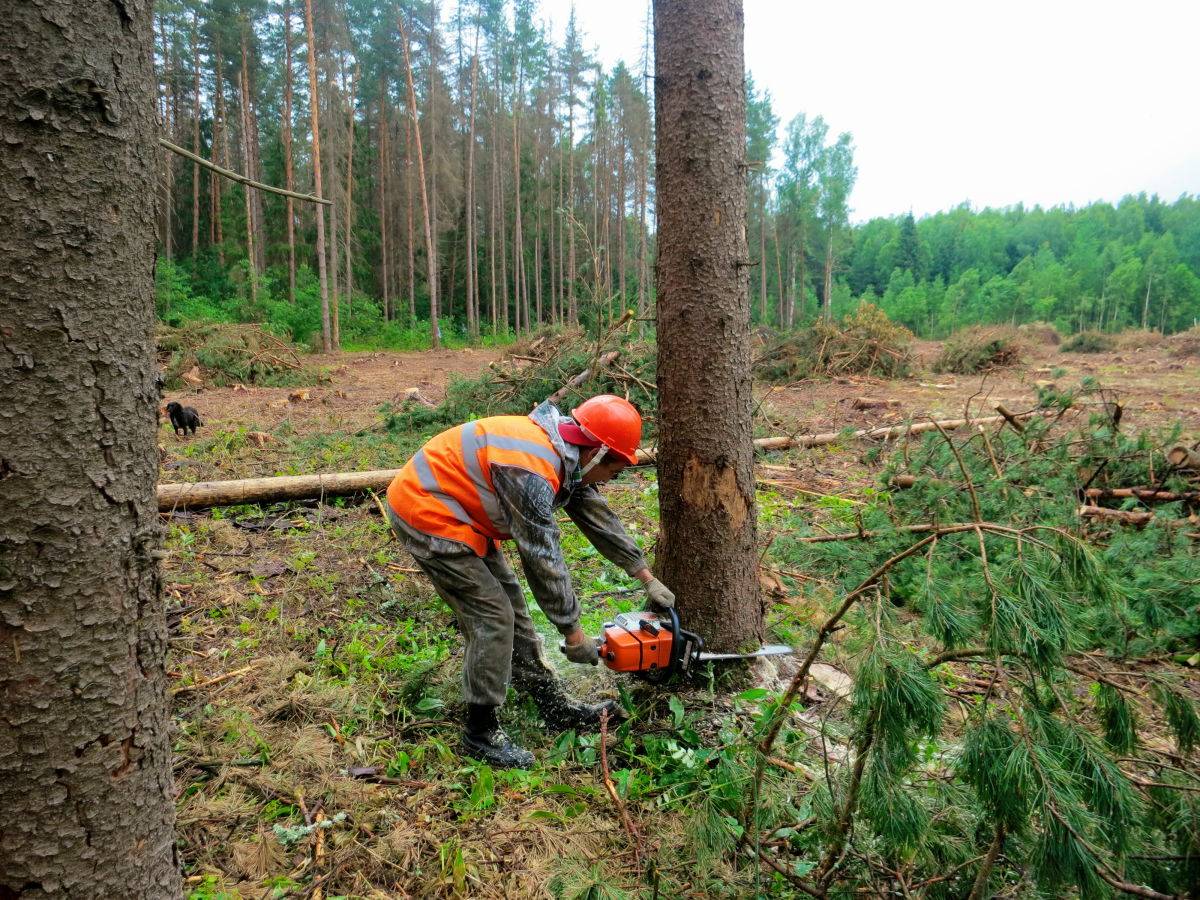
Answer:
(446, 489)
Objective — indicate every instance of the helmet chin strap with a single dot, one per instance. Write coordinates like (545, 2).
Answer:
(601, 452)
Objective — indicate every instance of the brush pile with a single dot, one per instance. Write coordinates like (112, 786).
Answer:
(220, 354)
(1042, 333)
(1089, 342)
(866, 342)
(617, 362)
(980, 349)
(1186, 343)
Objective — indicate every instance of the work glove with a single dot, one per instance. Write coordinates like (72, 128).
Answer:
(660, 595)
(586, 653)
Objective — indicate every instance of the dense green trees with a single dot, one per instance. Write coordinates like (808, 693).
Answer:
(540, 197)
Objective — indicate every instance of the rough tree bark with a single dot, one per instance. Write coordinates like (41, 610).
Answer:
(706, 456)
(85, 768)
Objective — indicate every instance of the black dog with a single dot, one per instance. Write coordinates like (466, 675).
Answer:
(183, 418)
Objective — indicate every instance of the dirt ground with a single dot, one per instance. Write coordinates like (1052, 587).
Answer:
(1154, 387)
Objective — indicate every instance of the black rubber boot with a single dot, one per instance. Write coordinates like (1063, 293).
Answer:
(485, 740)
(561, 711)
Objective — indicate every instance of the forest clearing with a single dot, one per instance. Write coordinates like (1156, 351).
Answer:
(444, 458)
(311, 662)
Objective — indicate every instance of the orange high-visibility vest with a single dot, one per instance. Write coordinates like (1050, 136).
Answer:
(446, 488)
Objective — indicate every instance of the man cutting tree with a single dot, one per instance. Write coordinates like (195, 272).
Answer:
(502, 478)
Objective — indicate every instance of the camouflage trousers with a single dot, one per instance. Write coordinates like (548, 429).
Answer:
(503, 647)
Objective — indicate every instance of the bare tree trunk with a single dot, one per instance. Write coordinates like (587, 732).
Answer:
(829, 277)
(382, 140)
(705, 460)
(289, 174)
(520, 300)
(410, 192)
(621, 217)
(643, 254)
(331, 173)
(85, 752)
(435, 271)
(1146, 303)
(431, 257)
(168, 157)
(218, 184)
(319, 211)
(494, 172)
(243, 109)
(762, 247)
(195, 134)
(349, 226)
(569, 206)
(472, 274)
(785, 313)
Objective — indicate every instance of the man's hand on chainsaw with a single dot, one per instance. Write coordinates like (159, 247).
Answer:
(579, 648)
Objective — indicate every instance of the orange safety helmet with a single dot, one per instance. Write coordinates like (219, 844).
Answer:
(614, 421)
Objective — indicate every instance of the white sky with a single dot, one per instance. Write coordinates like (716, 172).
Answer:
(1050, 102)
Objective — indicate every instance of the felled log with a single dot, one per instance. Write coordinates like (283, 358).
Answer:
(873, 403)
(1182, 457)
(1136, 518)
(1146, 495)
(414, 395)
(205, 494)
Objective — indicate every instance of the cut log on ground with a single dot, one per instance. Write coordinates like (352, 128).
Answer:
(204, 494)
(873, 403)
(1146, 495)
(1123, 516)
(1182, 457)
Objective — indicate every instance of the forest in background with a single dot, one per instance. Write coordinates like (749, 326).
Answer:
(463, 134)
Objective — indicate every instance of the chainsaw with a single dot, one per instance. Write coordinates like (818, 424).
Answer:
(652, 646)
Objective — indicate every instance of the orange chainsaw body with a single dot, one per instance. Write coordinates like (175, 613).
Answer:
(637, 642)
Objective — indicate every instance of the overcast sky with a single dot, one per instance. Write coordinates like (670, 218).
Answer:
(1034, 101)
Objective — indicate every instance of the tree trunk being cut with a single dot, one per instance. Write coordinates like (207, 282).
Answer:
(707, 551)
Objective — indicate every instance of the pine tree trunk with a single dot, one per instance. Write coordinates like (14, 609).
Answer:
(410, 195)
(435, 271)
(431, 257)
(621, 220)
(349, 226)
(319, 211)
(195, 134)
(472, 273)
(762, 248)
(251, 272)
(381, 178)
(829, 277)
(289, 174)
(569, 206)
(86, 786)
(331, 174)
(705, 459)
(218, 183)
(168, 158)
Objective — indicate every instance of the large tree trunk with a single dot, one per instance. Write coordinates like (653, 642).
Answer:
(705, 460)
(85, 767)
(319, 211)
(431, 205)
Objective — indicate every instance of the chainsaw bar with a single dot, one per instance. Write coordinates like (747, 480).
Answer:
(765, 650)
